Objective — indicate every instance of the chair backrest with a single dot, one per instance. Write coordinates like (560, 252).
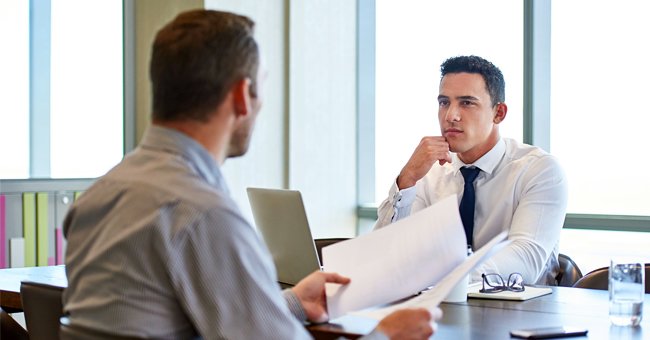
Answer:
(595, 279)
(324, 242)
(569, 272)
(10, 328)
(599, 279)
(43, 307)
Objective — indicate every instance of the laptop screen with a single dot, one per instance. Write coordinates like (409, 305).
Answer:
(281, 220)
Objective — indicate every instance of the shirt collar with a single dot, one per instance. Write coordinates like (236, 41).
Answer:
(488, 162)
(173, 141)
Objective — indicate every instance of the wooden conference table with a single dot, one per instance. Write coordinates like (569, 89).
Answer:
(493, 319)
(474, 319)
(10, 280)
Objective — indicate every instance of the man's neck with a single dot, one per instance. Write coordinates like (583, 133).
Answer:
(479, 151)
(213, 135)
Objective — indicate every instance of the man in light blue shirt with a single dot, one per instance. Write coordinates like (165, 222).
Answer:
(156, 247)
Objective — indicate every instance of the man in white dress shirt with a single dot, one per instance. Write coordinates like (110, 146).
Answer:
(518, 187)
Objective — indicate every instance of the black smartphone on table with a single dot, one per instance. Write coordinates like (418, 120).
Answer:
(548, 332)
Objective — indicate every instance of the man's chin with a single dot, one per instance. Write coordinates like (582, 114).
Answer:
(455, 147)
(237, 151)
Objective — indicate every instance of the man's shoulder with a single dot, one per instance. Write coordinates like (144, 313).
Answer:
(518, 151)
(531, 159)
(190, 199)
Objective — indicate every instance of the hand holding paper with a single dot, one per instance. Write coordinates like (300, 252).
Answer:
(401, 259)
(432, 297)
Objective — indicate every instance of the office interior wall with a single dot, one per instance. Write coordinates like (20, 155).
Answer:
(306, 133)
(149, 17)
(323, 112)
(265, 163)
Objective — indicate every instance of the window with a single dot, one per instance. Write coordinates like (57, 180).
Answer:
(64, 113)
(14, 89)
(599, 121)
(412, 39)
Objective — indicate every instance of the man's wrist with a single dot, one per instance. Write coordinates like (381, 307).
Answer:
(403, 182)
(294, 304)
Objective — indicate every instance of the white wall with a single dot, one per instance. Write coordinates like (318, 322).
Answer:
(264, 164)
(322, 157)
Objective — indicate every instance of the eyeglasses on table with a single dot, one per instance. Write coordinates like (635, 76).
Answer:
(494, 283)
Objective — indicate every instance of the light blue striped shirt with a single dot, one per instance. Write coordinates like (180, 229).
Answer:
(157, 248)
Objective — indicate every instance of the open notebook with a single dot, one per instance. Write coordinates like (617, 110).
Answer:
(527, 294)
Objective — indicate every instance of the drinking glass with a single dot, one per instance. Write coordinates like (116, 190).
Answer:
(626, 291)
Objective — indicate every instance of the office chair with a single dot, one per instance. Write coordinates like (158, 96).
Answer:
(599, 279)
(70, 332)
(324, 242)
(45, 320)
(43, 308)
(10, 328)
(569, 272)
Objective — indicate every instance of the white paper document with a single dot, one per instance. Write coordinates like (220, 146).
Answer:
(432, 297)
(398, 260)
(425, 249)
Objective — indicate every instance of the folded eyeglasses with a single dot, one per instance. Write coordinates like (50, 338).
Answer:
(494, 283)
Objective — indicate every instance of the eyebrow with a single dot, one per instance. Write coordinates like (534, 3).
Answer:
(460, 97)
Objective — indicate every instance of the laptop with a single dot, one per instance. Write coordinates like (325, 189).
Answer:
(281, 220)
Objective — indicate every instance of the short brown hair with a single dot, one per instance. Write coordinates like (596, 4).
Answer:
(196, 59)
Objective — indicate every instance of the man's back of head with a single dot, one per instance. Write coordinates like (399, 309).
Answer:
(195, 61)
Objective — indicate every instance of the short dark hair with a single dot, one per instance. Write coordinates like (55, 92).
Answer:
(196, 59)
(492, 76)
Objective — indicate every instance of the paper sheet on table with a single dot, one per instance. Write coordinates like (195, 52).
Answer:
(396, 261)
(432, 297)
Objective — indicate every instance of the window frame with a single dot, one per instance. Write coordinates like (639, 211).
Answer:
(537, 121)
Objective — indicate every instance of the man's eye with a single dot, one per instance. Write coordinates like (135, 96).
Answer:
(466, 103)
(443, 103)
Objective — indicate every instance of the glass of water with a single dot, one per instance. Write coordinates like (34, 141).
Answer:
(626, 291)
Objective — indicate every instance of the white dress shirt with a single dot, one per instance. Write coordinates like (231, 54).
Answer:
(521, 188)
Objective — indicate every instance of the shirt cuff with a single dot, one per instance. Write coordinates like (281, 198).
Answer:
(402, 201)
(375, 335)
(294, 305)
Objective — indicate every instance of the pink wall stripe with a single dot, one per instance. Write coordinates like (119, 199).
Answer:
(3, 232)
(59, 245)
(50, 261)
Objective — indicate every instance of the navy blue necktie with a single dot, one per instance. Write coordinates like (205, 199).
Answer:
(468, 202)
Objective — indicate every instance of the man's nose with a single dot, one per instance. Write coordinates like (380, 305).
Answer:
(452, 114)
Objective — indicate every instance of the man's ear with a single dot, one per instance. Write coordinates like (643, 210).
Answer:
(500, 114)
(241, 97)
